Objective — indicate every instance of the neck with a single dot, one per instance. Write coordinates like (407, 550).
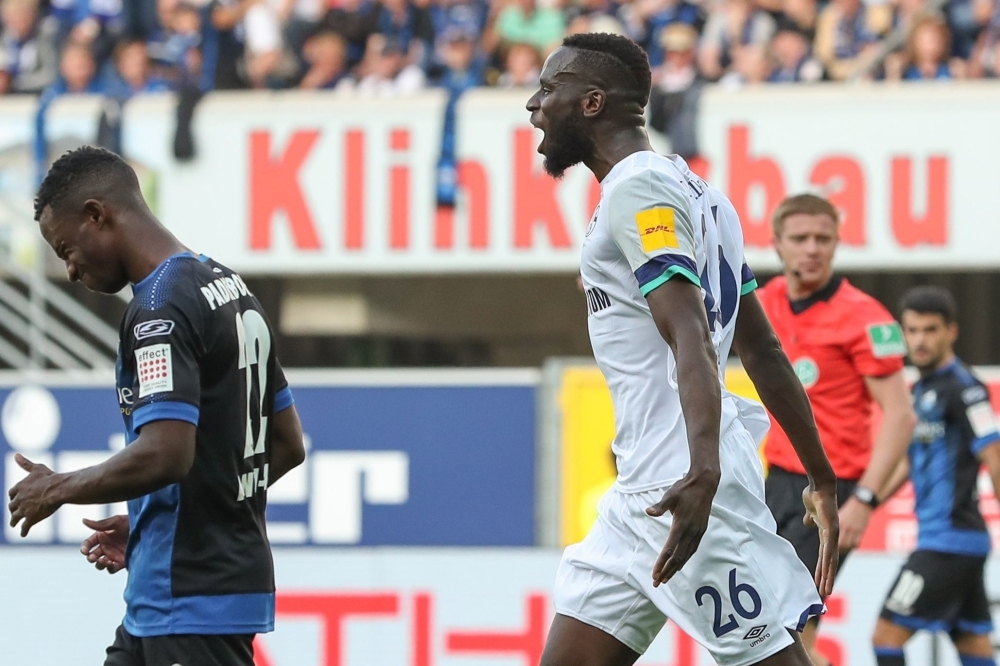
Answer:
(149, 245)
(798, 290)
(945, 361)
(620, 144)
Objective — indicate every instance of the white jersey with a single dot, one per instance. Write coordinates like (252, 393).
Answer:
(658, 221)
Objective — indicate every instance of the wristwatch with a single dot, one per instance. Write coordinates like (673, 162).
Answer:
(865, 496)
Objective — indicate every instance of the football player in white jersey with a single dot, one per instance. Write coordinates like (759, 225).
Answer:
(684, 534)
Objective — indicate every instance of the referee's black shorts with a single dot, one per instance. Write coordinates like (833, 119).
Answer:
(181, 650)
(783, 494)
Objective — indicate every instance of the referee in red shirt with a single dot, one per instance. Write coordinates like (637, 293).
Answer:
(848, 352)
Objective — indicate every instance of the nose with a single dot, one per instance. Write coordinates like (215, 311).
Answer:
(532, 104)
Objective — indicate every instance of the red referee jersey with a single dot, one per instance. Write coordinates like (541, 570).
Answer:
(834, 339)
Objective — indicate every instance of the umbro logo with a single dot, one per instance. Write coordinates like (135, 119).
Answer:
(757, 635)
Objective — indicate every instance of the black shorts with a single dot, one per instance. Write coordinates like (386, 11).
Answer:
(181, 650)
(783, 494)
(940, 592)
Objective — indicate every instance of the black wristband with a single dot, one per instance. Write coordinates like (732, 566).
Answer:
(865, 496)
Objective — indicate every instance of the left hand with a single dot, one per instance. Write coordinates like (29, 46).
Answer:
(690, 502)
(31, 499)
(854, 516)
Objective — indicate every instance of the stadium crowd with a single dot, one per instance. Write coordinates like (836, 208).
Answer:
(387, 47)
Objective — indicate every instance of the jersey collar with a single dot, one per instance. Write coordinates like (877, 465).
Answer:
(824, 294)
(144, 281)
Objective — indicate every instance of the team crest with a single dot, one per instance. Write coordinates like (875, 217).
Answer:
(928, 400)
(593, 221)
(807, 371)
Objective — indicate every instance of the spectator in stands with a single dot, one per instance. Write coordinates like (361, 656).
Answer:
(326, 56)
(132, 73)
(525, 22)
(355, 22)
(224, 47)
(522, 66)
(264, 45)
(673, 99)
(30, 59)
(985, 58)
(583, 15)
(646, 20)
(299, 19)
(848, 34)
(799, 15)
(446, 13)
(174, 45)
(966, 18)
(96, 23)
(732, 25)
(792, 58)
(407, 24)
(751, 66)
(390, 73)
(928, 54)
(77, 75)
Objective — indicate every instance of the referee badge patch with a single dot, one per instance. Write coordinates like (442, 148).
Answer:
(656, 229)
(154, 369)
(886, 340)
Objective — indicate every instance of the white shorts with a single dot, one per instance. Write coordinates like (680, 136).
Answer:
(736, 596)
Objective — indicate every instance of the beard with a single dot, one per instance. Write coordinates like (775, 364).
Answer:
(566, 145)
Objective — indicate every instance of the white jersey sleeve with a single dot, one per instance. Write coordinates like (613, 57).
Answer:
(650, 221)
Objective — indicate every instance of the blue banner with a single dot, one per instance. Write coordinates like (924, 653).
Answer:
(387, 465)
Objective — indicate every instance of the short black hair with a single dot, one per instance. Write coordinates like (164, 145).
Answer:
(930, 299)
(86, 171)
(616, 58)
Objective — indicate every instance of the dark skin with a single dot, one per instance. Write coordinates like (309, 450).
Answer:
(107, 242)
(585, 119)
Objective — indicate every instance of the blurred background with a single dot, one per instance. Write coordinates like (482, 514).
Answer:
(368, 167)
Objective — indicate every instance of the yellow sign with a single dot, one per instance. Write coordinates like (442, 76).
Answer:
(588, 427)
(656, 229)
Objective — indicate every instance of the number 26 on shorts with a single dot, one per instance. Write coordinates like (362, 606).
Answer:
(735, 590)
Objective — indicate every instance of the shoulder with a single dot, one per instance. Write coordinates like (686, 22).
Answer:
(865, 309)
(647, 182)
(175, 283)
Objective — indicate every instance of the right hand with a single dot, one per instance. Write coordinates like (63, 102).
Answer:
(105, 548)
(821, 511)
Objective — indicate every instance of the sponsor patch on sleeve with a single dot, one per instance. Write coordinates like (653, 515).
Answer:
(153, 328)
(982, 419)
(886, 340)
(974, 394)
(152, 365)
(656, 229)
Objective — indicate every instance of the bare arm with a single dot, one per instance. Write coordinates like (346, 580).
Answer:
(162, 455)
(991, 457)
(891, 442)
(287, 449)
(899, 476)
(780, 390)
(679, 314)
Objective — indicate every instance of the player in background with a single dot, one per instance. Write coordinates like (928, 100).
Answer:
(847, 351)
(209, 419)
(684, 534)
(941, 587)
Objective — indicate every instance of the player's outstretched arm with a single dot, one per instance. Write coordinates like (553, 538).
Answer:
(162, 454)
(991, 457)
(288, 450)
(679, 313)
(782, 393)
(889, 449)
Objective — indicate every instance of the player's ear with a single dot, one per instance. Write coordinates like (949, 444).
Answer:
(96, 212)
(593, 102)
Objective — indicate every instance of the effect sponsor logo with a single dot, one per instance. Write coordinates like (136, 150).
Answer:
(886, 340)
(153, 328)
(155, 371)
(656, 229)
(982, 419)
(807, 371)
